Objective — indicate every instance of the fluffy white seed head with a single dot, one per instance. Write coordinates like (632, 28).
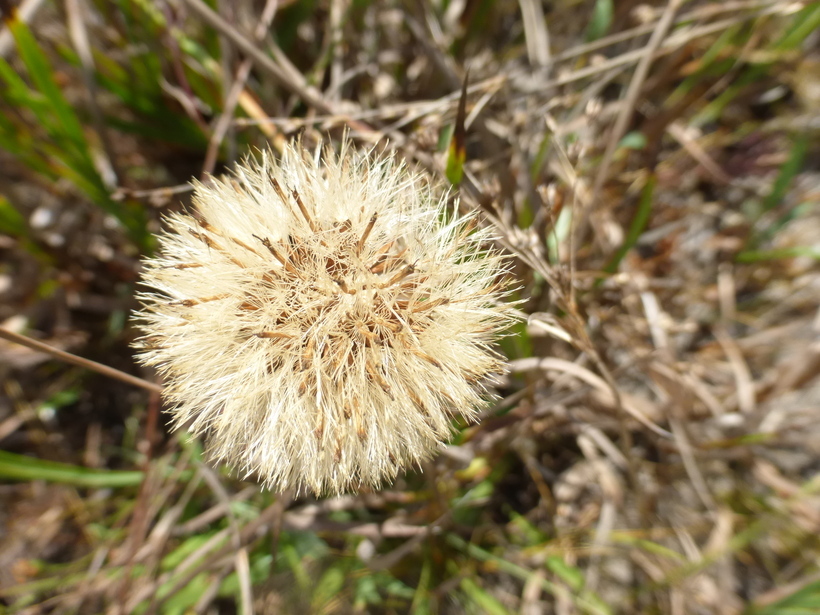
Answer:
(322, 321)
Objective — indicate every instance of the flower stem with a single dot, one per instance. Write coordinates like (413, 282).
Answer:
(80, 361)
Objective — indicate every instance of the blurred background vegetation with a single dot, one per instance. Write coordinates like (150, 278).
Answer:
(652, 169)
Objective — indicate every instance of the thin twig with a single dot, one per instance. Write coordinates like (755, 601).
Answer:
(73, 359)
(224, 123)
(285, 78)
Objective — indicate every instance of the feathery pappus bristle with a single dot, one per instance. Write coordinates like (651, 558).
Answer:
(320, 320)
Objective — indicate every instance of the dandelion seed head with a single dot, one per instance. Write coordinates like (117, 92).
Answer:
(321, 321)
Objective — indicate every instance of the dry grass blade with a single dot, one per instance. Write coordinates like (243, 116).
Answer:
(289, 79)
(743, 377)
(235, 92)
(596, 382)
(76, 12)
(535, 32)
(633, 93)
(679, 133)
(243, 572)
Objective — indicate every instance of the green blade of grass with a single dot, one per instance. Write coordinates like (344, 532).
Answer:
(18, 95)
(481, 599)
(21, 467)
(325, 590)
(787, 172)
(421, 595)
(183, 600)
(11, 222)
(805, 601)
(42, 75)
(716, 61)
(457, 151)
(780, 187)
(754, 256)
(601, 20)
(570, 575)
(64, 152)
(639, 222)
(805, 22)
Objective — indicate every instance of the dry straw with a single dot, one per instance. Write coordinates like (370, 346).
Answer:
(321, 320)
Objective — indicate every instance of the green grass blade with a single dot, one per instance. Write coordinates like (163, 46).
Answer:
(805, 601)
(755, 256)
(17, 138)
(64, 152)
(787, 173)
(42, 75)
(639, 222)
(601, 20)
(485, 602)
(570, 575)
(21, 467)
(805, 22)
(717, 61)
(11, 222)
(457, 151)
(790, 169)
(327, 588)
